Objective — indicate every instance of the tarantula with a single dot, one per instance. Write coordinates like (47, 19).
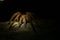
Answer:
(18, 19)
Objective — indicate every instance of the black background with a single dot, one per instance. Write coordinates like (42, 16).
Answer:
(42, 9)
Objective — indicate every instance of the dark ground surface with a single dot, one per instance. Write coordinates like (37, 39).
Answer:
(47, 32)
(28, 36)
